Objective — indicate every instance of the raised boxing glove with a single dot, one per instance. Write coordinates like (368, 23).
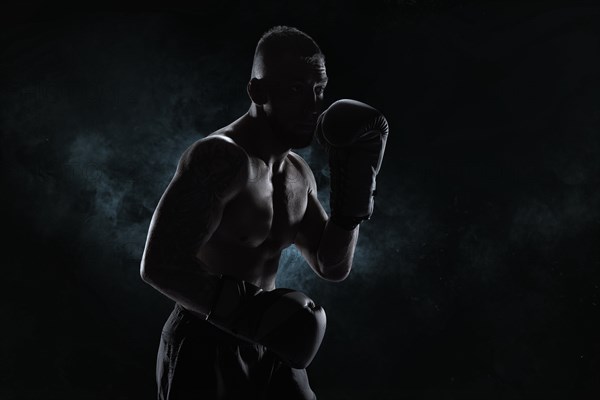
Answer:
(354, 135)
(285, 321)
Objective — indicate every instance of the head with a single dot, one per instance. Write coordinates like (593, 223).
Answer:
(287, 84)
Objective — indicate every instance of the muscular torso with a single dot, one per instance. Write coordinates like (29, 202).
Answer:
(259, 222)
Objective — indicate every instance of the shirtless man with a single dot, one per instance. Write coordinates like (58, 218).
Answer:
(239, 197)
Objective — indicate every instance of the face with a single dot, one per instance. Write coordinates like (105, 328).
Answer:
(296, 89)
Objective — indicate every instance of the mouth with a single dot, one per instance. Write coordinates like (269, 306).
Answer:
(306, 126)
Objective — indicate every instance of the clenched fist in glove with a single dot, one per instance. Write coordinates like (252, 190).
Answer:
(285, 321)
(354, 135)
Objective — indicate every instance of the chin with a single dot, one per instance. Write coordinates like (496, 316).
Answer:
(300, 141)
(302, 145)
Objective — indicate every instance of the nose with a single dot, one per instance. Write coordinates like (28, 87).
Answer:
(314, 104)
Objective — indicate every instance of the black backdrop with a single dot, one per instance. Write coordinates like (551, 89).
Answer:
(478, 276)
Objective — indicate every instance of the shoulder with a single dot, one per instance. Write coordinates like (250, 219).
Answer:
(213, 149)
(302, 167)
(215, 160)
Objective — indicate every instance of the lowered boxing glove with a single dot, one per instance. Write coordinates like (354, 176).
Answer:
(354, 135)
(285, 321)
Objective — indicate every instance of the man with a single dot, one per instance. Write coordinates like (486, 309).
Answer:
(239, 197)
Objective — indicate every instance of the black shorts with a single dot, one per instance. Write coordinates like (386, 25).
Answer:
(197, 360)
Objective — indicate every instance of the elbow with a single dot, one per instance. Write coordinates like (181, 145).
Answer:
(144, 272)
(149, 272)
(335, 273)
(334, 269)
(336, 276)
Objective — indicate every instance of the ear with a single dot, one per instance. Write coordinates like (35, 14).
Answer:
(257, 91)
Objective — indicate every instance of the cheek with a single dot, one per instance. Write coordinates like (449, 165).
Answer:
(286, 109)
(285, 102)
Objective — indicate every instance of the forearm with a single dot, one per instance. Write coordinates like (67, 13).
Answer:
(336, 251)
(186, 282)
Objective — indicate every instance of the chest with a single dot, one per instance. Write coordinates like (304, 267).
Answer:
(267, 212)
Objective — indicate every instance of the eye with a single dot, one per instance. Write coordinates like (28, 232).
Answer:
(319, 90)
(296, 88)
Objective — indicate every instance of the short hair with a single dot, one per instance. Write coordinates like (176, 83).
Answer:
(285, 39)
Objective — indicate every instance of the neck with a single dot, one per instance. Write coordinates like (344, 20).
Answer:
(262, 141)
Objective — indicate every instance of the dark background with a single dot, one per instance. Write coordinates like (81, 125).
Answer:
(478, 275)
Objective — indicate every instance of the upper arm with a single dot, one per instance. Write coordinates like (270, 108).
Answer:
(313, 222)
(209, 174)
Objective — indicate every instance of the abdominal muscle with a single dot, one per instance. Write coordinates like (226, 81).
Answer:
(253, 265)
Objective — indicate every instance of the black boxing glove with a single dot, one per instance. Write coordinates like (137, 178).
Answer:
(354, 135)
(285, 321)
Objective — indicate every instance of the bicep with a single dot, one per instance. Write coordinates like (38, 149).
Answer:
(190, 210)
